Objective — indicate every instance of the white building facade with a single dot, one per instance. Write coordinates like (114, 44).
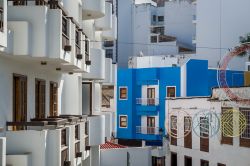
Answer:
(214, 141)
(46, 51)
(152, 29)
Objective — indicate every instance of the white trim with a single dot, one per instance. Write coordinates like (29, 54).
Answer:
(120, 91)
(167, 90)
(120, 121)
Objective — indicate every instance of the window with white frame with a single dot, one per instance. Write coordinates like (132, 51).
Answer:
(123, 93)
(123, 121)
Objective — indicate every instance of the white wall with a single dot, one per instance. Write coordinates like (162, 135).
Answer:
(138, 157)
(178, 21)
(220, 28)
(152, 61)
(125, 32)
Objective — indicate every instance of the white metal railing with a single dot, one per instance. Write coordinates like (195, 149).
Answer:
(147, 101)
(147, 130)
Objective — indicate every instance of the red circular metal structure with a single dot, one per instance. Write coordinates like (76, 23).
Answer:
(222, 74)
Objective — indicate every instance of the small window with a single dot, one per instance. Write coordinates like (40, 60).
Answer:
(123, 93)
(245, 136)
(154, 17)
(160, 18)
(153, 39)
(171, 92)
(204, 163)
(123, 121)
(219, 164)
(248, 67)
(174, 129)
(188, 161)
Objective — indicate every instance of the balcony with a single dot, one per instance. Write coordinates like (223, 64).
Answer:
(49, 141)
(111, 35)
(105, 23)
(194, 39)
(194, 19)
(194, 2)
(97, 71)
(147, 101)
(108, 71)
(93, 9)
(147, 106)
(148, 133)
(165, 38)
(52, 38)
(96, 130)
(147, 130)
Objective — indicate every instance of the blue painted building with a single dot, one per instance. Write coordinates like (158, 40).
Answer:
(142, 93)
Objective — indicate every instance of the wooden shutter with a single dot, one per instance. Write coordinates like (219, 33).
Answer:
(53, 99)
(40, 98)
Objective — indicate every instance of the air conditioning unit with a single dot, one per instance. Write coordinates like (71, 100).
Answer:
(2, 151)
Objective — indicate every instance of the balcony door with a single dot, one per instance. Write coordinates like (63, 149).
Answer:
(150, 125)
(40, 98)
(19, 98)
(151, 96)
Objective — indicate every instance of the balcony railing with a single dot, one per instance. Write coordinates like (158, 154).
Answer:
(165, 38)
(1, 19)
(27, 2)
(147, 101)
(148, 130)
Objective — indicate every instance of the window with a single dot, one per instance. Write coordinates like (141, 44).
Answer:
(123, 93)
(151, 96)
(188, 161)
(204, 163)
(204, 134)
(19, 99)
(219, 164)
(109, 53)
(173, 127)
(248, 67)
(77, 132)
(158, 161)
(160, 18)
(158, 30)
(173, 159)
(53, 99)
(171, 91)
(150, 125)
(1, 18)
(188, 132)
(229, 124)
(123, 121)
(245, 136)
(153, 39)
(154, 17)
(107, 95)
(40, 97)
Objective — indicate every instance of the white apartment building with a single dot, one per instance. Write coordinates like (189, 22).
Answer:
(47, 50)
(150, 29)
(218, 29)
(204, 143)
